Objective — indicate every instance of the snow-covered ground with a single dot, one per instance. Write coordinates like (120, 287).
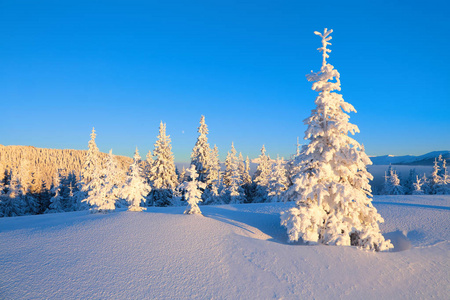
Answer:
(232, 252)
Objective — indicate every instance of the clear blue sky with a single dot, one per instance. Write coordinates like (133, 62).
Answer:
(123, 66)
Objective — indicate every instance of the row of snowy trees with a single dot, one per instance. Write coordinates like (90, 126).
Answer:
(438, 183)
(328, 179)
(104, 185)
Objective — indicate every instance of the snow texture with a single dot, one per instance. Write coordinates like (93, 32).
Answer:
(233, 252)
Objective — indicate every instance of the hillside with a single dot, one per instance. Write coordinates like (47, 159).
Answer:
(232, 252)
(44, 164)
(421, 160)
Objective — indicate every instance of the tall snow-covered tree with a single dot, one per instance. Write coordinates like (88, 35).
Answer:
(334, 206)
(136, 187)
(91, 163)
(246, 178)
(213, 179)
(164, 180)
(261, 177)
(201, 152)
(232, 179)
(264, 168)
(278, 181)
(193, 191)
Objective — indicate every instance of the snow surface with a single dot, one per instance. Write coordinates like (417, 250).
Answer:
(232, 252)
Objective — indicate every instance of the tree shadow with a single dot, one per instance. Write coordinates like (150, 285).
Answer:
(376, 203)
(269, 224)
(399, 240)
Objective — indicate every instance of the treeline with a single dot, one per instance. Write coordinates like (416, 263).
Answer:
(37, 181)
(438, 183)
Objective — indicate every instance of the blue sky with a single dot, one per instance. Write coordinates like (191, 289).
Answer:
(123, 66)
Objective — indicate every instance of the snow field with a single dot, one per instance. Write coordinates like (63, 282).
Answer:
(232, 252)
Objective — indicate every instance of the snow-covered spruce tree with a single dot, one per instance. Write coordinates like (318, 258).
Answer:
(232, 179)
(418, 186)
(213, 180)
(278, 181)
(392, 184)
(163, 178)
(201, 152)
(12, 204)
(57, 200)
(136, 187)
(261, 177)
(409, 184)
(91, 162)
(246, 178)
(334, 206)
(192, 191)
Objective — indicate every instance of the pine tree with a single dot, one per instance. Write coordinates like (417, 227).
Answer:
(164, 179)
(136, 188)
(91, 164)
(334, 205)
(12, 203)
(246, 178)
(409, 184)
(278, 181)
(418, 186)
(213, 180)
(193, 191)
(57, 200)
(201, 152)
(232, 179)
(262, 175)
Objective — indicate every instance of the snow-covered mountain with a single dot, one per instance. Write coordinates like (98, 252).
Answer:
(232, 252)
(421, 160)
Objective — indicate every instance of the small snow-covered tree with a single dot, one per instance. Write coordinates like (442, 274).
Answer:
(57, 200)
(136, 188)
(334, 205)
(392, 184)
(418, 186)
(232, 179)
(193, 191)
(278, 181)
(163, 179)
(201, 152)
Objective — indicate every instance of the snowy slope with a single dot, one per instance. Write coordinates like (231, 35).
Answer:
(233, 252)
(421, 160)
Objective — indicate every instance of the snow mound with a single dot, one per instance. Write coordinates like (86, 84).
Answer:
(232, 252)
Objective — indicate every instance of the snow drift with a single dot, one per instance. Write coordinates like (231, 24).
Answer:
(232, 252)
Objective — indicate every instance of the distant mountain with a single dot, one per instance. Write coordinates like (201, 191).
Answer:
(421, 160)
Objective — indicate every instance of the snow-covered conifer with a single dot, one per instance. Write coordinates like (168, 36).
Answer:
(278, 181)
(56, 201)
(246, 178)
(163, 178)
(91, 164)
(193, 191)
(213, 180)
(418, 186)
(232, 179)
(334, 205)
(136, 188)
(264, 168)
(201, 152)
